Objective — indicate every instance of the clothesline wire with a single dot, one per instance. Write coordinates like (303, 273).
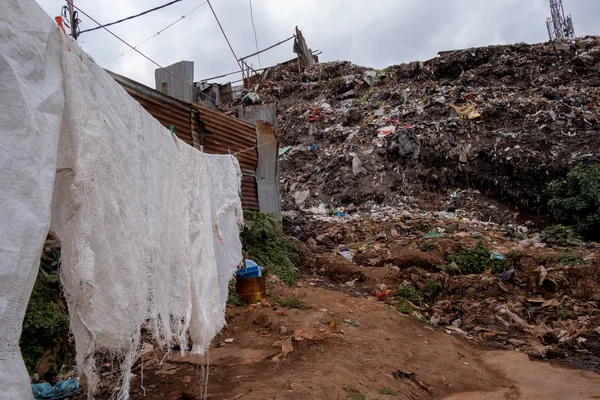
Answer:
(131, 17)
(168, 72)
(145, 56)
(157, 33)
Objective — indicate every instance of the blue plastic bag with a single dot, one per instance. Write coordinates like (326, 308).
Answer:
(63, 389)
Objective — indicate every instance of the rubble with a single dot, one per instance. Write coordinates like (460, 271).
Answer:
(545, 303)
(503, 120)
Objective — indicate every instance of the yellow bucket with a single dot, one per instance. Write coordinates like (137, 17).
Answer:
(251, 290)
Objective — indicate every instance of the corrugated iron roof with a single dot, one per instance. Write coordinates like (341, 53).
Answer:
(193, 122)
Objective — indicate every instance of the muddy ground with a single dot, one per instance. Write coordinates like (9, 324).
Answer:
(339, 333)
(348, 347)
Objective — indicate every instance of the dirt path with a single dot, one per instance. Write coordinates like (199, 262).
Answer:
(536, 380)
(356, 364)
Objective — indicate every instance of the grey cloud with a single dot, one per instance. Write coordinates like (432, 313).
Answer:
(374, 33)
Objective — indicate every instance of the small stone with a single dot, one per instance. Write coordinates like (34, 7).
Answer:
(230, 340)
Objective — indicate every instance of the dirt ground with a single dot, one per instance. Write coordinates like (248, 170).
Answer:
(347, 347)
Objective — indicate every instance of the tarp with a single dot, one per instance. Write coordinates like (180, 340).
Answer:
(148, 225)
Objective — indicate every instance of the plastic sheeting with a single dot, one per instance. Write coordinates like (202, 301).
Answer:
(148, 225)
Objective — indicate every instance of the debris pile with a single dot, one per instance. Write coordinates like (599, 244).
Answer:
(504, 120)
(479, 280)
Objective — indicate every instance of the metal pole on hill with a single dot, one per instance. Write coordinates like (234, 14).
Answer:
(72, 19)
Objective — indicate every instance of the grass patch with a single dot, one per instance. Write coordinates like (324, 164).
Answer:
(563, 314)
(561, 235)
(431, 288)
(403, 307)
(473, 261)
(408, 292)
(353, 393)
(266, 245)
(569, 259)
(575, 200)
(426, 247)
(290, 302)
(46, 324)
(387, 391)
(356, 396)
(233, 298)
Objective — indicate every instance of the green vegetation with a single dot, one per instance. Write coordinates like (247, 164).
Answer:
(387, 391)
(336, 85)
(233, 298)
(265, 244)
(426, 247)
(576, 200)
(353, 393)
(473, 261)
(46, 324)
(569, 259)
(561, 235)
(431, 288)
(403, 307)
(289, 302)
(563, 314)
(408, 292)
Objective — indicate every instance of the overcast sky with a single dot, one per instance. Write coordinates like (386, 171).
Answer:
(374, 33)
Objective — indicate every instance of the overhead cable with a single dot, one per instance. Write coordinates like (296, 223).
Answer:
(131, 17)
(155, 35)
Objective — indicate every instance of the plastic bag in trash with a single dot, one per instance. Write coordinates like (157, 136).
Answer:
(63, 389)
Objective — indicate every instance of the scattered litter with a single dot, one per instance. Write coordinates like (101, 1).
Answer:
(63, 389)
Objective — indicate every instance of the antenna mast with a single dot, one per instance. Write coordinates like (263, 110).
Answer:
(558, 26)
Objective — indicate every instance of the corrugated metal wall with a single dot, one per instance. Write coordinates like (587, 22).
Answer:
(267, 170)
(199, 125)
(176, 88)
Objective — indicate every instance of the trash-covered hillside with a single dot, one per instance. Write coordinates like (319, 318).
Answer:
(500, 120)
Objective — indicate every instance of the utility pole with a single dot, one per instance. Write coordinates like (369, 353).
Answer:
(73, 20)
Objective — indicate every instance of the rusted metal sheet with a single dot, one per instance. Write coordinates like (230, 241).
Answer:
(267, 173)
(166, 109)
(195, 123)
(227, 134)
(249, 193)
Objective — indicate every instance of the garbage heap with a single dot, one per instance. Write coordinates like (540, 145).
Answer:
(502, 121)
(497, 285)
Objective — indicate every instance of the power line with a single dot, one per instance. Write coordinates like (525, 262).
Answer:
(156, 34)
(231, 48)
(254, 28)
(143, 55)
(131, 17)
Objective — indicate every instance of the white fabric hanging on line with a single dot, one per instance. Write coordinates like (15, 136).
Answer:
(148, 225)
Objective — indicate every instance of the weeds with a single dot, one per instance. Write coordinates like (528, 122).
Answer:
(408, 292)
(569, 259)
(561, 235)
(473, 261)
(563, 314)
(403, 307)
(353, 393)
(431, 288)
(387, 391)
(262, 236)
(290, 302)
(576, 200)
(233, 298)
(46, 325)
(426, 247)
